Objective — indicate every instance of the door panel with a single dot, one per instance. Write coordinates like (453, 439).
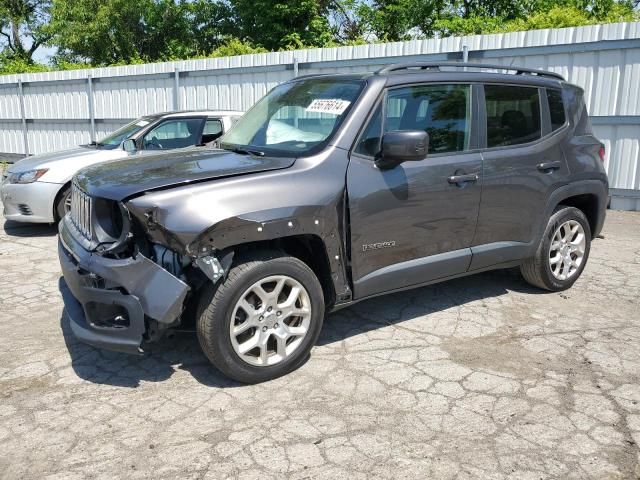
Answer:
(515, 190)
(517, 180)
(414, 223)
(417, 211)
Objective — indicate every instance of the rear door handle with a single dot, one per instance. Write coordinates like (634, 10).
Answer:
(471, 177)
(548, 166)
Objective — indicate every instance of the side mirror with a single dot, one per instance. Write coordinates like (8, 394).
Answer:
(402, 146)
(129, 145)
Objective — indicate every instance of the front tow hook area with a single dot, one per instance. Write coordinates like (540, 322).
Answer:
(125, 338)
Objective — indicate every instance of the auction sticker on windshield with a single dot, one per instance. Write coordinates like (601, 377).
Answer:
(334, 106)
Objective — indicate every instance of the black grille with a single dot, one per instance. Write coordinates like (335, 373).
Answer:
(81, 207)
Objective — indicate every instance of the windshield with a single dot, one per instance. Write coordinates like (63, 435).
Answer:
(116, 138)
(295, 118)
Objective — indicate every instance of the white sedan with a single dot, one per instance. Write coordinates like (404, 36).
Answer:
(37, 189)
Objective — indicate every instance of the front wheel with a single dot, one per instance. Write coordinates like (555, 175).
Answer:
(562, 253)
(264, 319)
(63, 204)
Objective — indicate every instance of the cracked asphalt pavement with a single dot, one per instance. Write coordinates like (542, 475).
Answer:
(481, 377)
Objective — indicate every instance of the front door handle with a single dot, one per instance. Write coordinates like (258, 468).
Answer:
(457, 179)
(548, 166)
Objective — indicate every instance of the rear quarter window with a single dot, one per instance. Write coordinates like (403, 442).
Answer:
(556, 108)
(513, 115)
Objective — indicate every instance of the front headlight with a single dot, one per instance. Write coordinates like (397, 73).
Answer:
(29, 176)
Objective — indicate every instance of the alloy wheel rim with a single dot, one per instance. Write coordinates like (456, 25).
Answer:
(270, 320)
(567, 250)
(67, 203)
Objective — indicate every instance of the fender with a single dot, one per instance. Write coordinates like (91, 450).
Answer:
(599, 188)
(305, 199)
(503, 254)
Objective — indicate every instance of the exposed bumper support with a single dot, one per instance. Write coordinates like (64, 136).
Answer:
(107, 300)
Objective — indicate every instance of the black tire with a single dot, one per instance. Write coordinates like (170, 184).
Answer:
(217, 304)
(61, 199)
(537, 270)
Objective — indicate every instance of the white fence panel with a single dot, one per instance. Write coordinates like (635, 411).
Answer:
(50, 136)
(51, 101)
(9, 104)
(11, 137)
(120, 97)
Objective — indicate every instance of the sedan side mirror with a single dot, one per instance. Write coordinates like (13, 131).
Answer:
(402, 146)
(129, 145)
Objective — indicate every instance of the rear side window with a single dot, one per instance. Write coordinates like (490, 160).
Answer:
(513, 115)
(556, 108)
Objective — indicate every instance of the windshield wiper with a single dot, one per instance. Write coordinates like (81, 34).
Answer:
(246, 151)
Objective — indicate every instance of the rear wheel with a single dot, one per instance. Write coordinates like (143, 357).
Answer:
(562, 253)
(264, 319)
(63, 203)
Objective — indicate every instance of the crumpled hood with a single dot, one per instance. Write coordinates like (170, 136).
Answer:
(122, 179)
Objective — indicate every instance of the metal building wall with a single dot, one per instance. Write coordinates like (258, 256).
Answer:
(56, 110)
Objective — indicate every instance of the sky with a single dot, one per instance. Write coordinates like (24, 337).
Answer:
(42, 54)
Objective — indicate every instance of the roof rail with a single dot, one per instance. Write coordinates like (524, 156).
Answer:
(436, 66)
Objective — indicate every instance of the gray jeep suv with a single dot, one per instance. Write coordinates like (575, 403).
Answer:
(333, 189)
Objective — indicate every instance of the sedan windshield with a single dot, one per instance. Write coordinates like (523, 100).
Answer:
(294, 119)
(120, 135)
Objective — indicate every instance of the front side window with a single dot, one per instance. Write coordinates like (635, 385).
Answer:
(369, 143)
(443, 111)
(513, 115)
(295, 118)
(212, 130)
(116, 138)
(171, 134)
(556, 108)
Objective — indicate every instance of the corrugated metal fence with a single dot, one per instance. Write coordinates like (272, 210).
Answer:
(49, 111)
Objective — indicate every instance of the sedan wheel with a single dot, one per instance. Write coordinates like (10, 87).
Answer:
(63, 204)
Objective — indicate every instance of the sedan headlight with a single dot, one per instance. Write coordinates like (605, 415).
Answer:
(29, 176)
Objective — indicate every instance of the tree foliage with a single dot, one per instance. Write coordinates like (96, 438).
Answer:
(543, 14)
(87, 33)
(277, 24)
(23, 28)
(109, 31)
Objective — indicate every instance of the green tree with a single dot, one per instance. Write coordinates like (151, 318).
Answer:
(346, 22)
(542, 15)
(23, 28)
(233, 46)
(389, 20)
(104, 32)
(275, 24)
(212, 25)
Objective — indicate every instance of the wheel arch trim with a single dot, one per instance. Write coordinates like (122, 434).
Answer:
(595, 188)
(54, 209)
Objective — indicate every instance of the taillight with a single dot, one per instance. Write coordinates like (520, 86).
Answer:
(602, 152)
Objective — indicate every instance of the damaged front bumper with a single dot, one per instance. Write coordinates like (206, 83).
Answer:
(109, 301)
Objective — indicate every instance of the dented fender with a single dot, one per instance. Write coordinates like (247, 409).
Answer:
(305, 199)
